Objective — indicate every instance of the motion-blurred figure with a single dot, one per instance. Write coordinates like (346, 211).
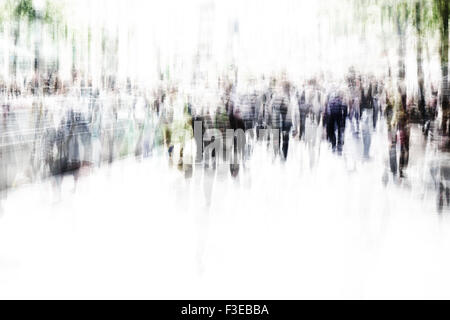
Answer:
(336, 113)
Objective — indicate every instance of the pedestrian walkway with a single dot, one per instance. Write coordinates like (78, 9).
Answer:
(141, 230)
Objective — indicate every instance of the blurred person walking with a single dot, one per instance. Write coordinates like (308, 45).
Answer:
(336, 113)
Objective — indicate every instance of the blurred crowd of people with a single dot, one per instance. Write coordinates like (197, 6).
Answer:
(50, 128)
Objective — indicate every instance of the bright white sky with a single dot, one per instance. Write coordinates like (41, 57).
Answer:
(302, 37)
(271, 32)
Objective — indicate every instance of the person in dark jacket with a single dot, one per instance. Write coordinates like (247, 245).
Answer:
(281, 120)
(336, 114)
(303, 109)
(237, 124)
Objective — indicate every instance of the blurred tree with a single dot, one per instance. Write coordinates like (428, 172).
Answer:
(422, 19)
(441, 16)
(402, 14)
(425, 25)
(27, 11)
(397, 13)
(21, 10)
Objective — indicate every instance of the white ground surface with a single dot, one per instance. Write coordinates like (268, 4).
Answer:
(141, 230)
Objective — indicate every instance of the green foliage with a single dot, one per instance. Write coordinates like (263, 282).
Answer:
(429, 21)
(431, 15)
(441, 14)
(395, 11)
(53, 12)
(24, 9)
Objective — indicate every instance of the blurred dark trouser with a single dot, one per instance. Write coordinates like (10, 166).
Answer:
(392, 150)
(335, 123)
(393, 159)
(209, 154)
(366, 126)
(285, 144)
(286, 125)
(404, 148)
(376, 112)
(198, 138)
(302, 124)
